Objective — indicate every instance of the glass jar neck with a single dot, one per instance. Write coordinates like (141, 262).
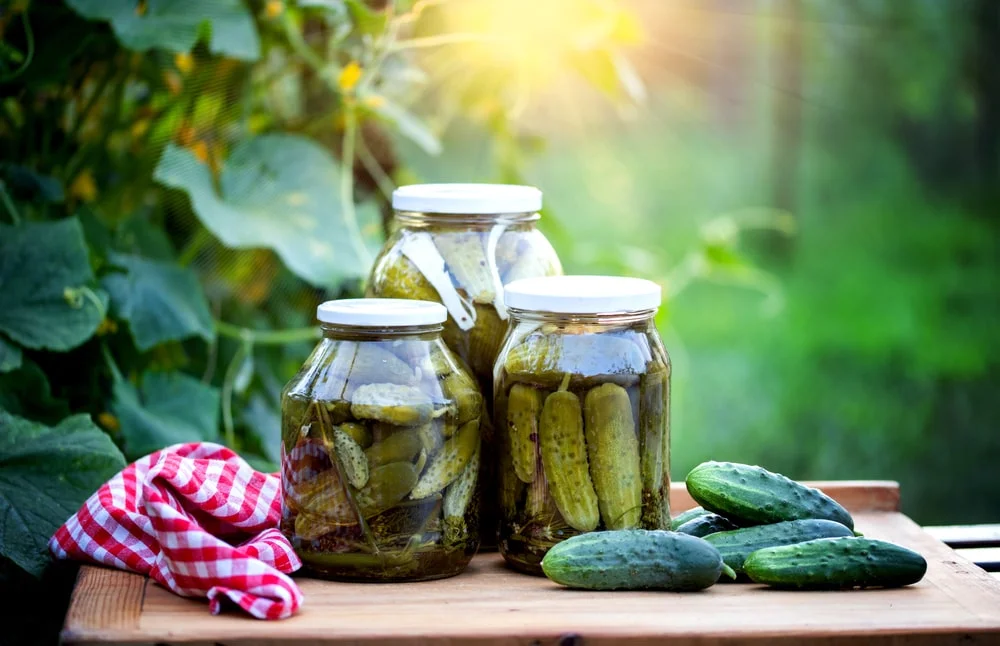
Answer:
(357, 333)
(419, 219)
(605, 319)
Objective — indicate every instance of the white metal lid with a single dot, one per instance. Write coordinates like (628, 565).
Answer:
(583, 294)
(467, 198)
(381, 312)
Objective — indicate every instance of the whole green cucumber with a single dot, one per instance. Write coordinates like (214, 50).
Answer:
(634, 559)
(752, 495)
(685, 516)
(736, 545)
(836, 563)
(706, 524)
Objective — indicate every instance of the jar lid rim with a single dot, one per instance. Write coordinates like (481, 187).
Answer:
(381, 312)
(467, 199)
(583, 294)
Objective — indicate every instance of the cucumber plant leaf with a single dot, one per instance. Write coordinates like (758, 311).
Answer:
(280, 192)
(177, 25)
(45, 298)
(161, 301)
(46, 473)
(10, 356)
(167, 408)
(26, 392)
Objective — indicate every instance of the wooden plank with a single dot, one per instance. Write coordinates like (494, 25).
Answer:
(105, 603)
(987, 558)
(966, 535)
(855, 495)
(491, 605)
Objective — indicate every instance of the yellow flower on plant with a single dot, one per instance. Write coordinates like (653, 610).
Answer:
(108, 421)
(184, 62)
(139, 128)
(107, 326)
(83, 187)
(274, 8)
(173, 82)
(200, 150)
(349, 76)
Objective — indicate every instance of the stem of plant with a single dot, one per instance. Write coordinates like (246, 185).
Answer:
(382, 179)
(228, 428)
(347, 185)
(191, 249)
(29, 38)
(266, 337)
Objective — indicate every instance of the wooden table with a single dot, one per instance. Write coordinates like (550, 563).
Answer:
(956, 603)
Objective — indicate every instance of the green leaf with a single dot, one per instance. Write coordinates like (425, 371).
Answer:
(26, 392)
(168, 408)
(10, 356)
(44, 298)
(46, 473)
(177, 25)
(139, 236)
(27, 184)
(161, 301)
(367, 20)
(279, 192)
(409, 125)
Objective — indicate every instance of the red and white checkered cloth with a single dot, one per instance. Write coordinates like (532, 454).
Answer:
(199, 520)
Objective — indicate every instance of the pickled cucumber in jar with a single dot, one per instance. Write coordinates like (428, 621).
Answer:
(381, 447)
(582, 411)
(458, 244)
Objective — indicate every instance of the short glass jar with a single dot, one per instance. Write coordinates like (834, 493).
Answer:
(583, 396)
(380, 447)
(458, 244)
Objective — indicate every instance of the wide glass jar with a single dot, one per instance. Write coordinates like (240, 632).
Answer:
(380, 447)
(583, 397)
(458, 244)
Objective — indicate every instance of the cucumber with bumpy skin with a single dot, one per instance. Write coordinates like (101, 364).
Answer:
(634, 559)
(752, 495)
(735, 546)
(836, 563)
(685, 516)
(705, 525)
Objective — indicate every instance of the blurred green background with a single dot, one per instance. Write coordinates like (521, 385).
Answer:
(864, 342)
(815, 184)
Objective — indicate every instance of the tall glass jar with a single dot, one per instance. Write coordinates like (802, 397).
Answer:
(583, 397)
(458, 244)
(380, 447)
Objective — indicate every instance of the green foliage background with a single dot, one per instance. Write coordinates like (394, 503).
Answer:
(815, 184)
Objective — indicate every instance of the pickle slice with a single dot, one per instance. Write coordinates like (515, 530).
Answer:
(392, 403)
(460, 388)
(592, 359)
(401, 446)
(465, 257)
(449, 463)
(387, 486)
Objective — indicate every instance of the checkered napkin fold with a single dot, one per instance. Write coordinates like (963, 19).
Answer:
(197, 519)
